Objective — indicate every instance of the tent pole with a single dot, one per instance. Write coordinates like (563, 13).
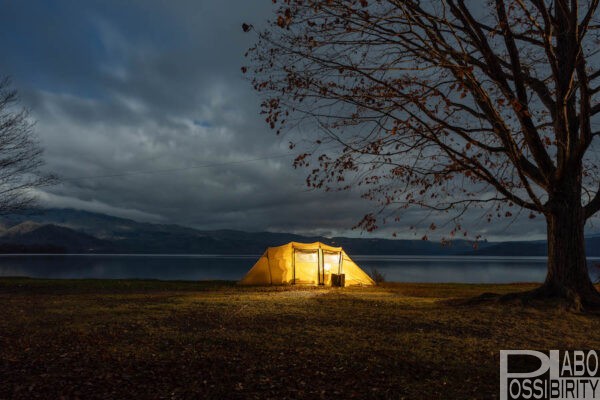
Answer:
(269, 264)
(293, 266)
(320, 267)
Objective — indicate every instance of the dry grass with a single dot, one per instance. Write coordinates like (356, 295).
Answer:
(150, 339)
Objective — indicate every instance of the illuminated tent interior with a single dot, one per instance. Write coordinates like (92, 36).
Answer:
(305, 263)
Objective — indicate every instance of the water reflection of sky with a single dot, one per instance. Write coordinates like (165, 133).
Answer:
(203, 267)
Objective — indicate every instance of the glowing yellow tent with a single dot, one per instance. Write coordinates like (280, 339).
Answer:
(305, 263)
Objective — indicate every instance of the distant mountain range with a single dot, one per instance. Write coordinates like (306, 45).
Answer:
(76, 231)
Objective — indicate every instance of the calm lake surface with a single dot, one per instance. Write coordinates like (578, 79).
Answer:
(208, 267)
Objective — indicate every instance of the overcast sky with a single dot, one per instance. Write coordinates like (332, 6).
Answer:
(137, 86)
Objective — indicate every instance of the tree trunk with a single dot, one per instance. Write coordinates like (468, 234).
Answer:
(568, 277)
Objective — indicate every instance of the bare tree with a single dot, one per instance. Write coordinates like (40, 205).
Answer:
(20, 155)
(447, 105)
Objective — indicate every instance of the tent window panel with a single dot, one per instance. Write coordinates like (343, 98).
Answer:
(331, 262)
(303, 256)
(306, 265)
(331, 265)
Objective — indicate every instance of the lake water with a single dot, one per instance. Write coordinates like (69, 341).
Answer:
(208, 267)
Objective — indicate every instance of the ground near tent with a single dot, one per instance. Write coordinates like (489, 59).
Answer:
(180, 340)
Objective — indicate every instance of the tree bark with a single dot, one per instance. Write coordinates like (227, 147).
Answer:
(568, 277)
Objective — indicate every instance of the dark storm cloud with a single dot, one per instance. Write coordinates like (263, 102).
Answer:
(143, 86)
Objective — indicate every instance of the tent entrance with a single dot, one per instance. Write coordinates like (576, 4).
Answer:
(315, 266)
(330, 263)
(305, 267)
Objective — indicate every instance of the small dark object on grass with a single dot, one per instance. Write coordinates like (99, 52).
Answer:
(338, 280)
(377, 276)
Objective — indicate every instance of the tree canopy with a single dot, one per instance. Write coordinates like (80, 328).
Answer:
(20, 154)
(446, 105)
(439, 104)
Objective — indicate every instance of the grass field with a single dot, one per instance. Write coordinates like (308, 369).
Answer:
(170, 340)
